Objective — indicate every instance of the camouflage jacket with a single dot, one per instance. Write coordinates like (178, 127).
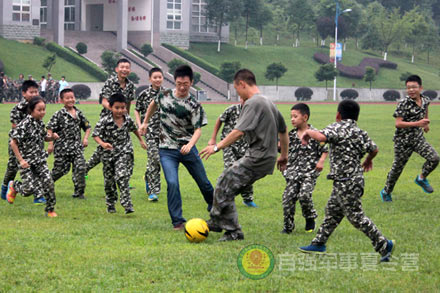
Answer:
(348, 144)
(229, 118)
(142, 104)
(410, 112)
(30, 134)
(303, 158)
(179, 118)
(19, 112)
(112, 86)
(118, 137)
(68, 129)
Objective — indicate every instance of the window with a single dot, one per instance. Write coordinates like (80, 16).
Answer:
(69, 15)
(43, 14)
(174, 14)
(21, 10)
(199, 21)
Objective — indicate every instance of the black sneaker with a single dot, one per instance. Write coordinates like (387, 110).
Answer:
(286, 231)
(111, 210)
(232, 235)
(79, 196)
(310, 225)
(129, 210)
(213, 227)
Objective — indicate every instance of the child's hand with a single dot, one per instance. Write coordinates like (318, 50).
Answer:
(24, 164)
(319, 166)
(50, 148)
(143, 129)
(305, 138)
(426, 128)
(85, 142)
(107, 146)
(282, 163)
(367, 165)
(424, 122)
(143, 145)
(185, 149)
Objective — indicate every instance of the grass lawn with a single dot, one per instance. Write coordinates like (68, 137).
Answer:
(28, 59)
(302, 67)
(86, 249)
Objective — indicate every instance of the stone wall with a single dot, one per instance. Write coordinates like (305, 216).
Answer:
(19, 32)
(176, 39)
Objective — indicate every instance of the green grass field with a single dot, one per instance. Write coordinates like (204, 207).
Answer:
(302, 67)
(86, 249)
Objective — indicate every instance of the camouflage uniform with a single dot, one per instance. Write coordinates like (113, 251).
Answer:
(301, 177)
(409, 140)
(68, 149)
(51, 92)
(111, 86)
(118, 162)
(348, 144)
(36, 179)
(152, 173)
(236, 150)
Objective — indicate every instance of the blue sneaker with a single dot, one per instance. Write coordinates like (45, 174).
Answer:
(318, 249)
(385, 196)
(250, 204)
(153, 197)
(4, 191)
(424, 184)
(389, 250)
(39, 201)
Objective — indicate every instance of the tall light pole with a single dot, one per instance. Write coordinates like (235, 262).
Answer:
(338, 12)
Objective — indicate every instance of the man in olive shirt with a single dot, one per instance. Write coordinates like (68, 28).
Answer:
(260, 123)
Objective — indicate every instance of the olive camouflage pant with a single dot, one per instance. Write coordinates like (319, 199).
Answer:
(94, 160)
(152, 172)
(230, 155)
(61, 167)
(117, 171)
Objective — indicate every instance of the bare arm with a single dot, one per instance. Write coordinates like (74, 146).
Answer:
(403, 124)
(284, 144)
(316, 135)
(86, 137)
(105, 145)
(21, 161)
(195, 137)
(105, 103)
(320, 164)
(138, 135)
(368, 163)
(218, 124)
(150, 111)
(232, 137)
(137, 115)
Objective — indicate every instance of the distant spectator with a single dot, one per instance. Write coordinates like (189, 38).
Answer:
(43, 87)
(63, 84)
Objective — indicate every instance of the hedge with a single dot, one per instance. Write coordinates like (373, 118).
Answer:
(77, 60)
(349, 94)
(391, 95)
(431, 94)
(81, 91)
(303, 94)
(194, 59)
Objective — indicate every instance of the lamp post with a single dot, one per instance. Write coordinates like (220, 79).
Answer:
(338, 12)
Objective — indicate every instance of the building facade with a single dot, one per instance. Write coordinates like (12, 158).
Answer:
(176, 22)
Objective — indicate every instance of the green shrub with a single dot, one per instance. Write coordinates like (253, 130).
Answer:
(133, 77)
(81, 91)
(77, 60)
(146, 50)
(196, 60)
(81, 48)
(39, 41)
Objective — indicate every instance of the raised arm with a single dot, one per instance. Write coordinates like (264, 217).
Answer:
(218, 124)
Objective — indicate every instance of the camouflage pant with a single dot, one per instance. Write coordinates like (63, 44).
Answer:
(12, 169)
(230, 183)
(152, 173)
(61, 167)
(94, 160)
(230, 155)
(300, 189)
(402, 153)
(37, 180)
(117, 170)
(345, 201)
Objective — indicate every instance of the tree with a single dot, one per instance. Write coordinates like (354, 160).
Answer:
(109, 59)
(324, 26)
(370, 75)
(146, 50)
(133, 77)
(417, 29)
(196, 78)
(263, 17)
(250, 10)
(326, 72)
(174, 63)
(227, 72)
(431, 40)
(81, 48)
(300, 14)
(274, 72)
(280, 24)
(50, 61)
(404, 76)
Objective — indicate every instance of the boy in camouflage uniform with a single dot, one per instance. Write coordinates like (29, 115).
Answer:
(18, 114)
(303, 168)
(181, 120)
(411, 120)
(27, 143)
(348, 144)
(69, 148)
(117, 83)
(112, 133)
(235, 151)
(152, 173)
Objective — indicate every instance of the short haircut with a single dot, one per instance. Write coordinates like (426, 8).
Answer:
(153, 70)
(245, 75)
(33, 103)
(43, 76)
(118, 97)
(349, 109)
(27, 84)
(302, 108)
(122, 60)
(184, 70)
(63, 76)
(414, 78)
(65, 91)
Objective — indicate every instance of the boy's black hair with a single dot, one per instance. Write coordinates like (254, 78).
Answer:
(414, 78)
(245, 75)
(302, 108)
(184, 70)
(123, 60)
(33, 103)
(153, 70)
(118, 97)
(349, 109)
(65, 91)
(27, 84)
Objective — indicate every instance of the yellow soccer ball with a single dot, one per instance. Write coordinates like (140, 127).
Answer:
(196, 230)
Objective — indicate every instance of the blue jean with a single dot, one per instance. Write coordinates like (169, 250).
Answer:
(170, 160)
